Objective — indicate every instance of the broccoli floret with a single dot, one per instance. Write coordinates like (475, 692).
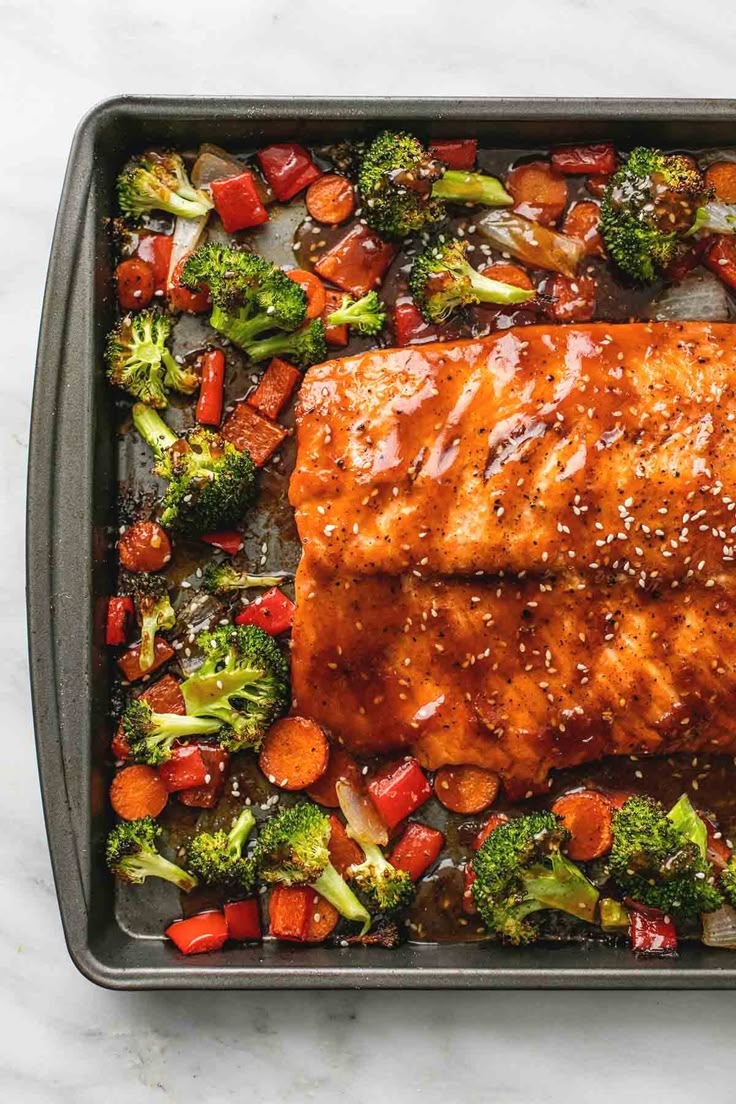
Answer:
(150, 736)
(655, 863)
(366, 315)
(154, 609)
(211, 483)
(218, 578)
(650, 204)
(243, 683)
(132, 855)
(385, 887)
(404, 190)
(250, 295)
(728, 881)
(292, 850)
(442, 281)
(159, 182)
(305, 347)
(139, 361)
(520, 870)
(217, 857)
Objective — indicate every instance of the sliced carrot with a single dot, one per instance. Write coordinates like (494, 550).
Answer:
(334, 335)
(136, 283)
(313, 290)
(340, 765)
(331, 199)
(288, 912)
(539, 192)
(721, 177)
(130, 661)
(344, 851)
(144, 546)
(295, 753)
(466, 789)
(165, 696)
(588, 816)
(573, 298)
(509, 274)
(322, 919)
(245, 428)
(581, 222)
(274, 388)
(137, 792)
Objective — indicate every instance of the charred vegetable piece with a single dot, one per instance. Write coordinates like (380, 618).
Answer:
(139, 361)
(159, 182)
(132, 855)
(217, 857)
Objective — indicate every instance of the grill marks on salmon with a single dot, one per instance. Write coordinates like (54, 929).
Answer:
(517, 550)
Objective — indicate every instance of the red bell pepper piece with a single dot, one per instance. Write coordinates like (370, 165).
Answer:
(652, 933)
(690, 259)
(417, 849)
(238, 203)
(598, 159)
(211, 388)
(288, 168)
(288, 912)
(469, 877)
(357, 262)
(181, 298)
(245, 428)
(207, 795)
(130, 661)
(229, 540)
(198, 934)
(135, 283)
(120, 613)
(273, 611)
(337, 336)
(185, 769)
(721, 259)
(399, 792)
(163, 696)
(493, 822)
(410, 327)
(274, 388)
(244, 920)
(156, 249)
(458, 154)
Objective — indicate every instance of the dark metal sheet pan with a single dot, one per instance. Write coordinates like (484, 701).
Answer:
(71, 488)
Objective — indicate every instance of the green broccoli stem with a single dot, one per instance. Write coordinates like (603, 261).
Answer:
(149, 864)
(237, 327)
(269, 347)
(153, 429)
(494, 291)
(176, 377)
(239, 832)
(564, 887)
(336, 890)
(177, 726)
(466, 187)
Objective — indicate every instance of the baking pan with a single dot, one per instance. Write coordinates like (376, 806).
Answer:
(71, 492)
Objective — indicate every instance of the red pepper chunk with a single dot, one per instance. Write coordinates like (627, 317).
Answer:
(156, 249)
(273, 611)
(185, 769)
(457, 154)
(490, 825)
(288, 168)
(274, 388)
(357, 262)
(238, 203)
(417, 849)
(400, 792)
(206, 795)
(721, 259)
(652, 933)
(288, 912)
(244, 920)
(410, 327)
(229, 540)
(211, 388)
(199, 934)
(130, 661)
(469, 877)
(120, 613)
(245, 428)
(599, 159)
(182, 299)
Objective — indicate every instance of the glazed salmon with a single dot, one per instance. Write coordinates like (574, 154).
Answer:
(540, 449)
(520, 677)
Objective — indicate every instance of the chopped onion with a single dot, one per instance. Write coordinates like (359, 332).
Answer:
(719, 927)
(715, 218)
(701, 297)
(360, 813)
(199, 611)
(187, 234)
(214, 163)
(529, 241)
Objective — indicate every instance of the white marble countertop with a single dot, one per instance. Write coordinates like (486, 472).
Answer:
(62, 1041)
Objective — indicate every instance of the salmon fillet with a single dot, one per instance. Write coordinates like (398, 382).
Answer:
(540, 449)
(514, 676)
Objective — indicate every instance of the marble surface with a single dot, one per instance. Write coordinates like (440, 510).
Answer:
(62, 1041)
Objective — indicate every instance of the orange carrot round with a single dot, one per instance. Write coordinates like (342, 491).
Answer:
(466, 789)
(339, 765)
(581, 222)
(331, 199)
(316, 298)
(509, 274)
(136, 283)
(721, 177)
(295, 753)
(322, 919)
(539, 192)
(588, 817)
(137, 792)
